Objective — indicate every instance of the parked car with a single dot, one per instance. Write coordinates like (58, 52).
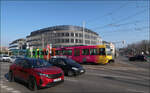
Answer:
(5, 58)
(138, 58)
(12, 58)
(36, 73)
(69, 66)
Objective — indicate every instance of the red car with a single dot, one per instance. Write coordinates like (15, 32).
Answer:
(36, 73)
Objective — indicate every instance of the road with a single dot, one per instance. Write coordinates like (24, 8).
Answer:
(119, 77)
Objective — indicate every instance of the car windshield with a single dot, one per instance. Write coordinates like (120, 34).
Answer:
(38, 63)
(5, 56)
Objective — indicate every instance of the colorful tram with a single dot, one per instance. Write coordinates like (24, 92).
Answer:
(99, 54)
(41, 53)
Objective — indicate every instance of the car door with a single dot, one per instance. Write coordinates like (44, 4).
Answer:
(54, 61)
(17, 68)
(25, 71)
(62, 64)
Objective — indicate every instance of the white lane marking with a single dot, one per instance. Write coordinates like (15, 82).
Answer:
(4, 86)
(16, 91)
(9, 89)
(70, 79)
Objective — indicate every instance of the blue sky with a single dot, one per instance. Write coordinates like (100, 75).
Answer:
(113, 20)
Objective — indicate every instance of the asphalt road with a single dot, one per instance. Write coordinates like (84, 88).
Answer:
(120, 77)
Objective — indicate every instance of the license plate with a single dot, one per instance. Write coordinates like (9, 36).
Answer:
(58, 79)
(81, 71)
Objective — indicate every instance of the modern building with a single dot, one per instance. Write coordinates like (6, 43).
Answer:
(62, 36)
(17, 47)
(18, 44)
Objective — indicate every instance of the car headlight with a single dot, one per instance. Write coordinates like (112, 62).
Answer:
(74, 68)
(41, 74)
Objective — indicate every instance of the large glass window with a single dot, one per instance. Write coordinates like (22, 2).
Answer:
(62, 40)
(67, 52)
(66, 40)
(67, 34)
(80, 41)
(58, 52)
(80, 35)
(102, 51)
(93, 51)
(72, 40)
(72, 34)
(85, 51)
(62, 34)
(76, 52)
(76, 34)
(76, 40)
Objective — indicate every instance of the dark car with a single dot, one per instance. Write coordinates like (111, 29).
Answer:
(138, 58)
(69, 66)
(36, 73)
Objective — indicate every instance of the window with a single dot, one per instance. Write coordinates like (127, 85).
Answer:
(76, 52)
(25, 63)
(58, 41)
(45, 52)
(62, 34)
(72, 40)
(102, 51)
(33, 53)
(38, 52)
(76, 34)
(42, 52)
(85, 51)
(72, 34)
(87, 42)
(67, 34)
(80, 41)
(58, 34)
(18, 61)
(67, 52)
(66, 40)
(80, 35)
(61, 62)
(62, 40)
(93, 51)
(58, 52)
(76, 40)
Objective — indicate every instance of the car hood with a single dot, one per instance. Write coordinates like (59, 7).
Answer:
(49, 70)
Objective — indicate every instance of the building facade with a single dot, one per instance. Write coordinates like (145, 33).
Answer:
(18, 44)
(62, 36)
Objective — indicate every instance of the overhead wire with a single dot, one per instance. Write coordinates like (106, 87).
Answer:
(107, 14)
(126, 18)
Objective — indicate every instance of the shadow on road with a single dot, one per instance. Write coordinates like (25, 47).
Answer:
(126, 81)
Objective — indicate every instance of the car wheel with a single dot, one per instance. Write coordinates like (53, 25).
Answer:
(32, 84)
(70, 73)
(11, 76)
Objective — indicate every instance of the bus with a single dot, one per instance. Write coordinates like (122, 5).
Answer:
(99, 54)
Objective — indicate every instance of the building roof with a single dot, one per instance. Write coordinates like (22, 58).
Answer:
(15, 41)
(62, 27)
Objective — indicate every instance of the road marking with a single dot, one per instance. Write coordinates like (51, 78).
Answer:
(4, 86)
(9, 89)
(70, 79)
(16, 91)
